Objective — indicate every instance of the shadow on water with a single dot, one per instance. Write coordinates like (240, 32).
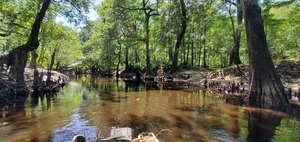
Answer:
(12, 105)
(18, 122)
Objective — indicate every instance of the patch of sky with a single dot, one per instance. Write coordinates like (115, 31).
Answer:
(91, 16)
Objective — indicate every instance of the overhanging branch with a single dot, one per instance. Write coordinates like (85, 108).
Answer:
(16, 24)
(4, 34)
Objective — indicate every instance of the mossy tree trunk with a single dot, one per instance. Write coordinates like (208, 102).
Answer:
(266, 88)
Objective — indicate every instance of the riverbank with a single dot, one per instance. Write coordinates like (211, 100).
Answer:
(9, 87)
(232, 83)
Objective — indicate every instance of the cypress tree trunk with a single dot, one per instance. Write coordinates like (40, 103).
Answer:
(17, 59)
(266, 88)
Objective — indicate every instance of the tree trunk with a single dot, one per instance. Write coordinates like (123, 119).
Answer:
(36, 83)
(34, 56)
(204, 48)
(148, 13)
(200, 48)
(48, 81)
(137, 68)
(57, 66)
(147, 42)
(188, 53)
(170, 49)
(126, 57)
(180, 36)
(36, 77)
(235, 52)
(17, 57)
(119, 58)
(266, 88)
(193, 54)
(192, 47)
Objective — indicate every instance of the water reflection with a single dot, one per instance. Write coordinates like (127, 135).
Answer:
(262, 124)
(91, 106)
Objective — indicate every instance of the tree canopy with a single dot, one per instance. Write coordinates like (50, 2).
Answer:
(123, 37)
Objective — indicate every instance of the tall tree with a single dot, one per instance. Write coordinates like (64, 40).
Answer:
(180, 36)
(17, 57)
(235, 52)
(266, 88)
(148, 12)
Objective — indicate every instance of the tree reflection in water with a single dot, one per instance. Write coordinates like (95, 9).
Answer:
(262, 124)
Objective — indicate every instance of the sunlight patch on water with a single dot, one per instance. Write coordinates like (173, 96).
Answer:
(75, 127)
(223, 136)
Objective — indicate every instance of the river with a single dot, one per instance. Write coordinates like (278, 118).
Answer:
(91, 106)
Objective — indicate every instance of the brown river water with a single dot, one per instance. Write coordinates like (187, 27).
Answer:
(91, 106)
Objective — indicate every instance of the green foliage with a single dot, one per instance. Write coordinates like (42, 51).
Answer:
(121, 29)
(74, 10)
(284, 31)
(287, 131)
(15, 23)
(209, 27)
(18, 16)
(64, 39)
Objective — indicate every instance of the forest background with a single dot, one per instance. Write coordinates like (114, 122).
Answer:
(118, 39)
